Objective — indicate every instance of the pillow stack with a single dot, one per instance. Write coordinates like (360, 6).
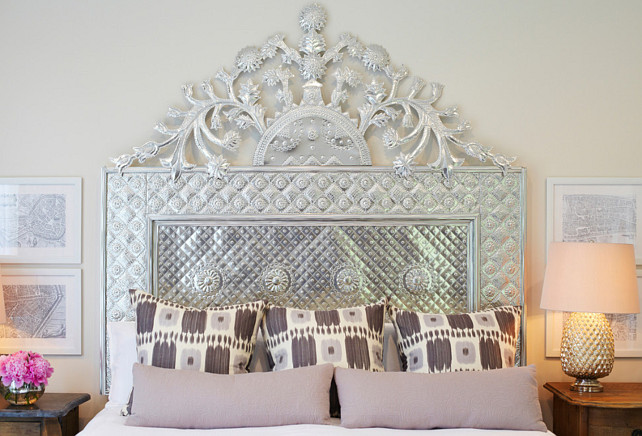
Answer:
(467, 363)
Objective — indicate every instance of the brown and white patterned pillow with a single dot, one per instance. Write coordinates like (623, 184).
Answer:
(348, 338)
(463, 342)
(217, 339)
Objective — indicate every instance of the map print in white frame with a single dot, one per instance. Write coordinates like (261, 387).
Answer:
(43, 308)
(596, 210)
(40, 220)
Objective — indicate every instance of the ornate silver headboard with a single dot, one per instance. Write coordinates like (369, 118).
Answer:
(312, 223)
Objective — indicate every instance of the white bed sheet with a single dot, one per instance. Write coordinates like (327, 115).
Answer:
(108, 422)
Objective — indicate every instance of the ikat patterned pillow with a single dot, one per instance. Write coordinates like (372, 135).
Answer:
(348, 338)
(218, 339)
(435, 343)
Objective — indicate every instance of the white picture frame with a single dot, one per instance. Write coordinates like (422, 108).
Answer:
(615, 206)
(43, 309)
(565, 195)
(40, 220)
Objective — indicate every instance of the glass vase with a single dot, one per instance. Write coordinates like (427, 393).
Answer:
(25, 395)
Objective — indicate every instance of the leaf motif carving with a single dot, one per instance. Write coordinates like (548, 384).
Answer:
(339, 97)
(215, 122)
(392, 112)
(364, 111)
(249, 93)
(175, 113)
(380, 119)
(146, 151)
(390, 138)
(375, 92)
(244, 121)
(223, 76)
(232, 114)
(231, 140)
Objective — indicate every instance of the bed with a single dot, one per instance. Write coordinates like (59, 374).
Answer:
(108, 422)
(357, 217)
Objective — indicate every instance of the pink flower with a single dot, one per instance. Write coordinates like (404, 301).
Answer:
(24, 368)
(16, 371)
(3, 362)
(40, 370)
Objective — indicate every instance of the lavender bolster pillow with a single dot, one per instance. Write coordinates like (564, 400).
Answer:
(495, 399)
(191, 399)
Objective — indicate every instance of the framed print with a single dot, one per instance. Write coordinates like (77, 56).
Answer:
(40, 220)
(596, 210)
(43, 310)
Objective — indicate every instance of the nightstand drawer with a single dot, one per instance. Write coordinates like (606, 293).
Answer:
(614, 422)
(20, 428)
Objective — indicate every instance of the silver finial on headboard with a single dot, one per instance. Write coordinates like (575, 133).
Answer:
(313, 131)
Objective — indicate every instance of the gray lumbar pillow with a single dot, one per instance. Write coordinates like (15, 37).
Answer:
(495, 399)
(192, 399)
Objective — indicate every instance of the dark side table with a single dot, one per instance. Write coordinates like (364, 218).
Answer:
(615, 412)
(52, 414)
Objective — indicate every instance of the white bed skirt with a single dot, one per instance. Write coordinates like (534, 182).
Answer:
(109, 423)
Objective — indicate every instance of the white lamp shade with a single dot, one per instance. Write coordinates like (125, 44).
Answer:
(590, 277)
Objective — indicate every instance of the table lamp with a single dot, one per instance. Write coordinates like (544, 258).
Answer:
(589, 280)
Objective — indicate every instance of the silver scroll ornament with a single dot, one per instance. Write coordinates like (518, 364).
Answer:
(311, 131)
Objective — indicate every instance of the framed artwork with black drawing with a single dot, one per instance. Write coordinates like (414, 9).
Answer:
(596, 210)
(40, 220)
(43, 310)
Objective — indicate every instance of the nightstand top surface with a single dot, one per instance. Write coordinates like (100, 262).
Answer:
(50, 405)
(615, 395)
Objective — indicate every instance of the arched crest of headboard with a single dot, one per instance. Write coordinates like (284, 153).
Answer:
(349, 100)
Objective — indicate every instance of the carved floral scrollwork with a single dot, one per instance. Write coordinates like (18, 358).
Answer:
(214, 123)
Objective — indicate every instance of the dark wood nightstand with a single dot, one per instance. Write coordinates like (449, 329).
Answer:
(52, 414)
(616, 411)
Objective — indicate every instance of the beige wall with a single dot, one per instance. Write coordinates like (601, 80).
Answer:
(558, 84)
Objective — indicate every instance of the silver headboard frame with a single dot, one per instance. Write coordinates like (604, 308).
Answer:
(454, 234)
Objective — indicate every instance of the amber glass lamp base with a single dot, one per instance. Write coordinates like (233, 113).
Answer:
(588, 350)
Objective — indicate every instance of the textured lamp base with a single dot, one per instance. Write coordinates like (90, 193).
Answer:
(588, 350)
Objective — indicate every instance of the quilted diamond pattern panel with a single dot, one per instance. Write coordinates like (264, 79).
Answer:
(424, 267)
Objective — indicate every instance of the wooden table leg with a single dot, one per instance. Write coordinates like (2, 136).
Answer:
(51, 427)
(70, 423)
(569, 419)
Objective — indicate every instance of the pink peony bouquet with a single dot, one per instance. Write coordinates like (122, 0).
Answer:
(24, 367)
